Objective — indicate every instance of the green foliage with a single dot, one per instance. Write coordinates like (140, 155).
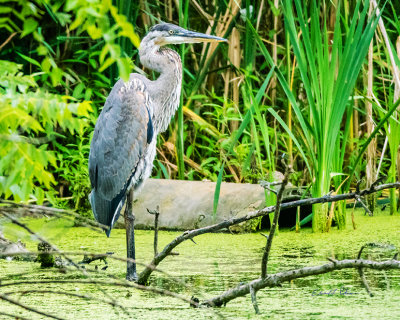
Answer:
(73, 51)
(329, 73)
(98, 19)
(28, 122)
(49, 115)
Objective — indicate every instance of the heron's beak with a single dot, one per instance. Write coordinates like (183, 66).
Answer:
(192, 37)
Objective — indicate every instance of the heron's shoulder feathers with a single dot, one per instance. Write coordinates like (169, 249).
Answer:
(122, 134)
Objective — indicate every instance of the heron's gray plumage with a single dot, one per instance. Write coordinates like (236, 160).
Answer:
(119, 149)
(123, 147)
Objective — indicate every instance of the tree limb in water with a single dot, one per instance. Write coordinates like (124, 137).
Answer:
(277, 278)
(274, 225)
(145, 274)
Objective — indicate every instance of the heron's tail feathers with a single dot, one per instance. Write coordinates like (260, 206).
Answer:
(105, 211)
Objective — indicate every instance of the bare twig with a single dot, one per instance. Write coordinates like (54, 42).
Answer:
(254, 300)
(93, 257)
(24, 306)
(61, 213)
(8, 40)
(331, 260)
(156, 214)
(71, 294)
(360, 270)
(362, 275)
(268, 246)
(396, 75)
(359, 200)
(120, 283)
(88, 254)
(267, 185)
(276, 279)
(14, 316)
(145, 274)
(53, 248)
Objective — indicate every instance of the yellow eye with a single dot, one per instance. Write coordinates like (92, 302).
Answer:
(171, 31)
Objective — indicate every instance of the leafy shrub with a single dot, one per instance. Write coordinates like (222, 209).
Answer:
(31, 120)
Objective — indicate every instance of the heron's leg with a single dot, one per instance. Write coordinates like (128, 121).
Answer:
(130, 237)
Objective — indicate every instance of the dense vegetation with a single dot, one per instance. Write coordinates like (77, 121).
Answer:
(298, 78)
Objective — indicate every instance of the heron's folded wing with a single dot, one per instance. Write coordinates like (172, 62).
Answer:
(120, 139)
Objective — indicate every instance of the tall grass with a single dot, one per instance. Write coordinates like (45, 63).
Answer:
(235, 119)
(329, 72)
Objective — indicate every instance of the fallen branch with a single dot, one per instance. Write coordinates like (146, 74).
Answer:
(270, 237)
(60, 213)
(14, 316)
(145, 274)
(93, 257)
(52, 248)
(361, 271)
(277, 278)
(119, 283)
(66, 293)
(24, 306)
(254, 299)
(156, 214)
(87, 254)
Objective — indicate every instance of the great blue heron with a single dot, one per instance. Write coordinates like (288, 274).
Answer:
(124, 140)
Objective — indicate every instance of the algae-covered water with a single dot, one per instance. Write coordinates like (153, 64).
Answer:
(216, 263)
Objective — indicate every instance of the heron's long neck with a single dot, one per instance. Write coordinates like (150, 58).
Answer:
(166, 90)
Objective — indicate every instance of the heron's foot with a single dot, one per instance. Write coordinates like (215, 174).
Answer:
(132, 277)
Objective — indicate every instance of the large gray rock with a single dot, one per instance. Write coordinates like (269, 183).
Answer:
(187, 205)
(16, 250)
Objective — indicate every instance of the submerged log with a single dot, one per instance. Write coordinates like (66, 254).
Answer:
(186, 205)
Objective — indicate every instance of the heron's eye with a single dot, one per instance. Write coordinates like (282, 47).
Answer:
(171, 31)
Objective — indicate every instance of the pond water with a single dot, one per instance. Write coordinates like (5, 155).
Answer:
(216, 263)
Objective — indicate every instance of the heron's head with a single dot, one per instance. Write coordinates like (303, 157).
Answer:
(167, 33)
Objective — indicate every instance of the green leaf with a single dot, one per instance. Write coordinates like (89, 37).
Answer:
(30, 60)
(124, 66)
(217, 191)
(30, 25)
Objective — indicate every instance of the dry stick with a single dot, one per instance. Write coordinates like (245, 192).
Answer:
(7, 40)
(277, 278)
(396, 75)
(360, 270)
(97, 272)
(87, 259)
(353, 221)
(125, 284)
(71, 294)
(18, 223)
(359, 200)
(370, 170)
(20, 304)
(156, 215)
(77, 253)
(118, 282)
(14, 316)
(145, 274)
(30, 231)
(270, 237)
(55, 211)
(83, 253)
(254, 300)
(18, 210)
(362, 275)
